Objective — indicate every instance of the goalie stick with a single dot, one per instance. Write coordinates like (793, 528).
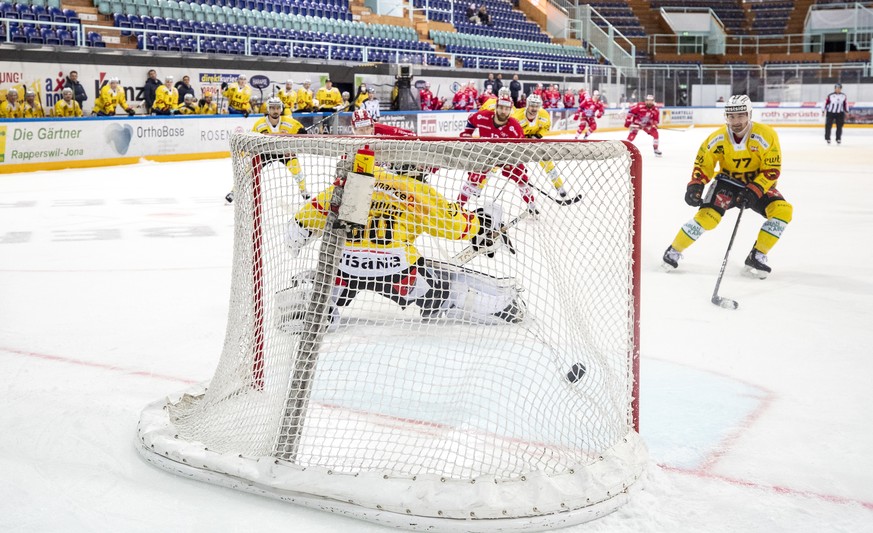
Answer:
(469, 253)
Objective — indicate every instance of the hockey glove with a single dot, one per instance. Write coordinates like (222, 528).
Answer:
(130, 112)
(201, 102)
(245, 114)
(223, 85)
(490, 219)
(749, 195)
(297, 237)
(693, 194)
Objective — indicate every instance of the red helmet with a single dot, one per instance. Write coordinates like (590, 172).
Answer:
(361, 119)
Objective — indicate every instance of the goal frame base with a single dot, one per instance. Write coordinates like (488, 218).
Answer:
(158, 444)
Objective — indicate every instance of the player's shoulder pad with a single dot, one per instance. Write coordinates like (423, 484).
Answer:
(763, 134)
(715, 138)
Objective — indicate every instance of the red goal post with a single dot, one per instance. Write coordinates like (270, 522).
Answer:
(445, 394)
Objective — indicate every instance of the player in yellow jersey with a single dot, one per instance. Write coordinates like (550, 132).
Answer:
(11, 108)
(536, 122)
(111, 97)
(274, 123)
(382, 257)
(188, 106)
(329, 97)
(304, 97)
(289, 97)
(749, 162)
(66, 106)
(166, 98)
(238, 96)
(205, 106)
(31, 108)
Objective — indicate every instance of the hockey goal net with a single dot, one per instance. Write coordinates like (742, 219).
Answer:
(440, 366)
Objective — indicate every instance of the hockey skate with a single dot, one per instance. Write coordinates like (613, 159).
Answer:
(756, 265)
(658, 153)
(671, 259)
(532, 210)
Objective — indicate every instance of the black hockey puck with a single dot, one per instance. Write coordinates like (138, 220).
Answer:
(576, 372)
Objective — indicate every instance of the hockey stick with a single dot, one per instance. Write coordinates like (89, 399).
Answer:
(677, 130)
(560, 201)
(720, 301)
(323, 120)
(469, 253)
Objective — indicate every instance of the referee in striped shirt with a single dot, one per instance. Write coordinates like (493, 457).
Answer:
(835, 107)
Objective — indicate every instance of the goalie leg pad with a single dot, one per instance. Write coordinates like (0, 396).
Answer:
(476, 297)
(293, 302)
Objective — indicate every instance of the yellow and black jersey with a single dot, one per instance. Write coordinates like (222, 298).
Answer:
(189, 109)
(71, 109)
(166, 99)
(8, 110)
(286, 125)
(238, 97)
(330, 98)
(359, 101)
(304, 99)
(489, 105)
(210, 108)
(537, 127)
(756, 158)
(402, 209)
(111, 99)
(32, 111)
(289, 99)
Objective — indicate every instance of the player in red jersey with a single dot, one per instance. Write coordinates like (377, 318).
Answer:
(644, 116)
(497, 124)
(569, 99)
(425, 97)
(589, 111)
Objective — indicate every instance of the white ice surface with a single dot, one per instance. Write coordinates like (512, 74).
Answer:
(756, 419)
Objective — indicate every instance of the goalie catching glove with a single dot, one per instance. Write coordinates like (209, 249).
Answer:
(490, 221)
(296, 237)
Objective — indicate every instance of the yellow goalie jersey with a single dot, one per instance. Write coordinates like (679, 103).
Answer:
(286, 125)
(402, 209)
(536, 127)
(757, 158)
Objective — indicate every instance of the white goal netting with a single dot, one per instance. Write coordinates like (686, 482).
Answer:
(468, 353)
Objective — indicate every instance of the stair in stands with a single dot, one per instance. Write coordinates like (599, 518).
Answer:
(798, 16)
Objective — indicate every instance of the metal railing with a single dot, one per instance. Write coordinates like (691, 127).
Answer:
(668, 43)
(605, 43)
